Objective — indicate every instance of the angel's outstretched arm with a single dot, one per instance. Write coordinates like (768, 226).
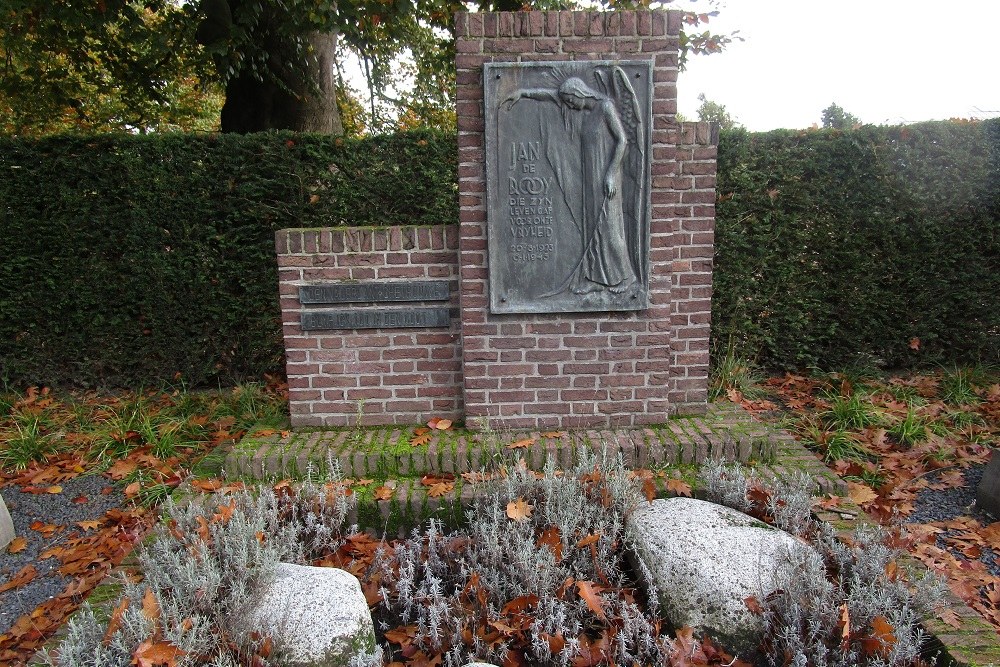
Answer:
(541, 94)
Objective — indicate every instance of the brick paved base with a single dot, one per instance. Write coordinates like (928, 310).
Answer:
(726, 431)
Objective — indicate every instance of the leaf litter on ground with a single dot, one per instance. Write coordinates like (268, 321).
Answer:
(139, 441)
(894, 465)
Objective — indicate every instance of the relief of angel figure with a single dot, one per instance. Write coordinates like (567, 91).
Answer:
(588, 166)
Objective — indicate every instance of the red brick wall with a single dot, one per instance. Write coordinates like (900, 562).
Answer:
(590, 369)
(399, 376)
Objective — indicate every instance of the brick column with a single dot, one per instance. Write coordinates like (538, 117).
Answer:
(571, 370)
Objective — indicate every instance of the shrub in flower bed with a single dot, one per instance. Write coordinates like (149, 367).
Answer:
(848, 603)
(537, 577)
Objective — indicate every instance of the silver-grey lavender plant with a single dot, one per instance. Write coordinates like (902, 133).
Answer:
(205, 567)
(438, 582)
(841, 581)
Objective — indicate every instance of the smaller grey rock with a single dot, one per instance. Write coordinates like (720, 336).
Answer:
(6, 526)
(988, 491)
(317, 616)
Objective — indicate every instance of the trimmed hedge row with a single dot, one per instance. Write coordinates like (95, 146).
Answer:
(137, 260)
(879, 245)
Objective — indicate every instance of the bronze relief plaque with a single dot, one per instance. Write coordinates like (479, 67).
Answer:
(568, 185)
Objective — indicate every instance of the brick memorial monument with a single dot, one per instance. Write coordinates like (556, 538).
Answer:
(575, 289)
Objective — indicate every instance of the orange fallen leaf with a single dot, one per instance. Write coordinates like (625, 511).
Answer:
(420, 440)
(384, 493)
(554, 434)
(54, 489)
(844, 625)
(121, 469)
(45, 529)
(551, 538)
(89, 525)
(828, 502)
(436, 478)
(17, 545)
(880, 640)
(440, 489)
(116, 620)
(132, 490)
(590, 595)
(991, 533)
(951, 618)
(521, 444)
(915, 344)
(400, 635)
(156, 654)
(439, 424)
(679, 487)
(588, 540)
(649, 489)
(208, 485)
(860, 493)
(23, 576)
(754, 605)
(519, 510)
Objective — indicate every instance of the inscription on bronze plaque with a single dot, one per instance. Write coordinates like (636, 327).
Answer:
(396, 318)
(568, 185)
(414, 290)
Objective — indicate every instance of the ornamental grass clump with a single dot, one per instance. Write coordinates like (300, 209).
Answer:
(847, 603)
(203, 573)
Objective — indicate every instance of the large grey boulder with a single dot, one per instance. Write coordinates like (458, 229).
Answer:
(705, 560)
(317, 616)
(6, 526)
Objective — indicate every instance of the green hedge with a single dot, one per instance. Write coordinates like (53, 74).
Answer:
(841, 247)
(128, 260)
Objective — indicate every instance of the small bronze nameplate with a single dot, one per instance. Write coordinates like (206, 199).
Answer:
(398, 318)
(377, 292)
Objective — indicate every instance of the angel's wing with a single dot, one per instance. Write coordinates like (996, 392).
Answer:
(634, 169)
(628, 108)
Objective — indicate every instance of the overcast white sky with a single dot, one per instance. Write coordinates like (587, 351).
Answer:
(885, 61)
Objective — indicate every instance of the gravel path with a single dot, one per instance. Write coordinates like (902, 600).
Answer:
(58, 509)
(949, 504)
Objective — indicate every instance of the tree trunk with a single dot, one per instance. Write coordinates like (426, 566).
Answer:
(310, 104)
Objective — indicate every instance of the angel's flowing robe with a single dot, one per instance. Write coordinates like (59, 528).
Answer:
(586, 154)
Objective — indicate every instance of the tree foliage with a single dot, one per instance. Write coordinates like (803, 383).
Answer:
(119, 65)
(834, 116)
(167, 64)
(714, 112)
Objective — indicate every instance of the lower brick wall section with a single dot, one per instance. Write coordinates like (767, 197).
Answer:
(369, 376)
